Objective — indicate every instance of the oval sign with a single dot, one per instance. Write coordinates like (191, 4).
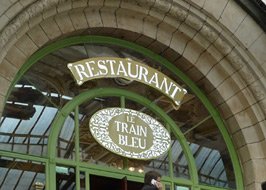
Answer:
(130, 133)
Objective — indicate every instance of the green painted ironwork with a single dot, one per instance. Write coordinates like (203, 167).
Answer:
(170, 160)
(22, 156)
(77, 157)
(47, 182)
(123, 103)
(87, 180)
(104, 92)
(108, 40)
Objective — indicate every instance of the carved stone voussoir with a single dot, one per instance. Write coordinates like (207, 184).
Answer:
(257, 91)
(235, 60)
(7, 34)
(194, 22)
(208, 33)
(247, 74)
(179, 13)
(162, 5)
(36, 8)
(24, 16)
(221, 45)
(145, 2)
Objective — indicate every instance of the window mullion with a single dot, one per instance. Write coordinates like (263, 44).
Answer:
(77, 157)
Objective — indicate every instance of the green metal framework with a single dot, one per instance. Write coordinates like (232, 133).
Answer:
(103, 92)
(51, 160)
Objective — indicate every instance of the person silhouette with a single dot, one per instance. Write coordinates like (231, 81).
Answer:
(152, 181)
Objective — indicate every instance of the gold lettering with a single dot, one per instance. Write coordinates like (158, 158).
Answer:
(102, 67)
(111, 62)
(143, 72)
(130, 69)
(164, 86)
(121, 69)
(118, 67)
(154, 79)
(81, 71)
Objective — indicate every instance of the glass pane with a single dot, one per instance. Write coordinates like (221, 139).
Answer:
(180, 164)
(66, 139)
(82, 181)
(20, 174)
(90, 150)
(26, 120)
(65, 178)
(48, 85)
(39, 95)
(160, 164)
(167, 187)
(212, 158)
(178, 187)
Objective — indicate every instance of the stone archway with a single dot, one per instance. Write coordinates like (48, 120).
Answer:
(211, 50)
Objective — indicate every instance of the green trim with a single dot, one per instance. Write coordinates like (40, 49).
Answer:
(77, 147)
(125, 163)
(23, 156)
(87, 180)
(123, 101)
(123, 105)
(170, 160)
(47, 182)
(204, 187)
(52, 175)
(76, 130)
(102, 92)
(108, 40)
(77, 177)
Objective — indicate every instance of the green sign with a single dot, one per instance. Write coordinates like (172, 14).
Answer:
(129, 133)
(111, 67)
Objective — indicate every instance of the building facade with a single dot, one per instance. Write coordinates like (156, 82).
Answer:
(213, 48)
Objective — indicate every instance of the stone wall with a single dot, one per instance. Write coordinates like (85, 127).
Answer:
(216, 38)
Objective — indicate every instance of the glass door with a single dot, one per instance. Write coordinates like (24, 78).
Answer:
(65, 178)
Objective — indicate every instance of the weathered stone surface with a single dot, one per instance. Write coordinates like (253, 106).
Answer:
(220, 42)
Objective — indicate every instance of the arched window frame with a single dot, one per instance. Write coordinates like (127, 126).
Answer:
(49, 161)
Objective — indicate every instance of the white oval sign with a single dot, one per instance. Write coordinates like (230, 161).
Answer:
(129, 133)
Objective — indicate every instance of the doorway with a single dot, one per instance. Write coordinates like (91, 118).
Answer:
(101, 182)
(67, 179)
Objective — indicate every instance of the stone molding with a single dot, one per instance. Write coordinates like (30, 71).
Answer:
(179, 16)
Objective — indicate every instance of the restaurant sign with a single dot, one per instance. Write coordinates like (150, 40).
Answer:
(130, 133)
(112, 67)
